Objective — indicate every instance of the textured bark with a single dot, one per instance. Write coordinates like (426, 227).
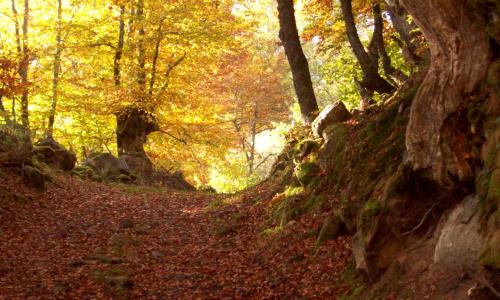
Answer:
(300, 69)
(460, 55)
(371, 78)
(133, 127)
(56, 70)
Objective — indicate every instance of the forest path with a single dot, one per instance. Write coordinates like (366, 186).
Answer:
(85, 240)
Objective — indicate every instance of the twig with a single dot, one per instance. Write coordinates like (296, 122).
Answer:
(421, 221)
(174, 137)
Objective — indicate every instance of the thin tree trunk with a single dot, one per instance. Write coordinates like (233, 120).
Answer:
(16, 27)
(251, 165)
(24, 67)
(119, 48)
(378, 40)
(141, 56)
(371, 78)
(460, 56)
(155, 57)
(298, 63)
(18, 48)
(56, 71)
(399, 18)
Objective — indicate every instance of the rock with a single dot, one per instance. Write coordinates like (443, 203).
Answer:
(359, 253)
(54, 154)
(138, 164)
(459, 242)
(335, 137)
(15, 145)
(172, 180)
(334, 113)
(34, 178)
(332, 228)
(109, 167)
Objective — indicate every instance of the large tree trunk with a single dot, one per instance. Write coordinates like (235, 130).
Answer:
(460, 56)
(56, 70)
(371, 78)
(298, 63)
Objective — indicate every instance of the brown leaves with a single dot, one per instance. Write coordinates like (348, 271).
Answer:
(89, 240)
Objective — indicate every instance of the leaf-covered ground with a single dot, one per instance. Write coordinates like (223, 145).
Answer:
(84, 240)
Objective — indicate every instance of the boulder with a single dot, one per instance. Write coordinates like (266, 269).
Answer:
(138, 164)
(334, 113)
(332, 228)
(109, 167)
(460, 242)
(15, 145)
(54, 154)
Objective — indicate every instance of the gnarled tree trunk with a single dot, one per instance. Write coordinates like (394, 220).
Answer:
(133, 127)
(460, 56)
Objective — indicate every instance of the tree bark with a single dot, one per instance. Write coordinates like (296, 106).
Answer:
(155, 57)
(378, 40)
(57, 69)
(119, 48)
(298, 63)
(399, 17)
(371, 78)
(460, 56)
(141, 51)
(24, 67)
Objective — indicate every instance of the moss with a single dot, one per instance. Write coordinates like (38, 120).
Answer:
(494, 186)
(371, 209)
(491, 254)
(306, 172)
(350, 278)
(306, 147)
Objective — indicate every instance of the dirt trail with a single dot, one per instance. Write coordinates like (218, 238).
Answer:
(86, 240)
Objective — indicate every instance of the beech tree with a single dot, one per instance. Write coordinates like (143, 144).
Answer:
(298, 63)
(368, 61)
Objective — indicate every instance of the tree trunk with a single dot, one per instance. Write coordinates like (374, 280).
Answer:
(399, 20)
(23, 68)
(141, 51)
(134, 125)
(371, 78)
(155, 57)
(119, 48)
(460, 56)
(298, 63)
(57, 68)
(378, 40)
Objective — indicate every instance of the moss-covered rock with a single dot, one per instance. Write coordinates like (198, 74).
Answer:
(306, 172)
